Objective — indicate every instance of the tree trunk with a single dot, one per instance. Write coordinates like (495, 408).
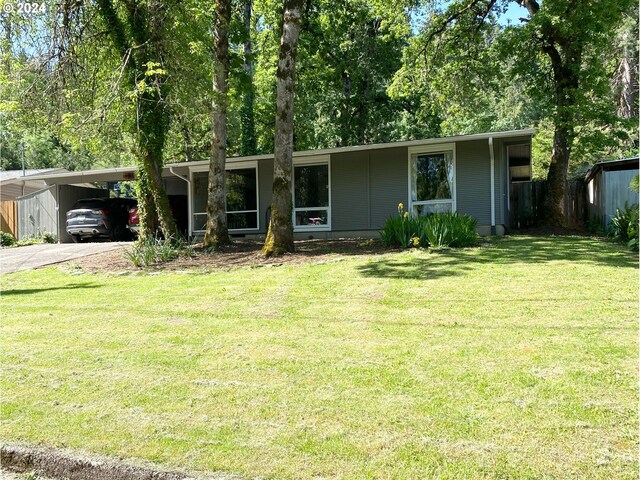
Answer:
(8, 43)
(280, 236)
(566, 84)
(145, 30)
(248, 143)
(557, 176)
(217, 233)
(626, 72)
(565, 55)
(153, 124)
(345, 111)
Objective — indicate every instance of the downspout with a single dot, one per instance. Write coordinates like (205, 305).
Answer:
(58, 223)
(190, 219)
(493, 187)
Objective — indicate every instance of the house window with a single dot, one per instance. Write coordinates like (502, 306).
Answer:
(432, 180)
(519, 162)
(311, 196)
(242, 199)
(241, 182)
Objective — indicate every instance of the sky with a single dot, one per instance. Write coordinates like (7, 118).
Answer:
(511, 16)
(513, 13)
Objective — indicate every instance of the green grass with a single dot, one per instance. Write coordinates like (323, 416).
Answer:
(515, 360)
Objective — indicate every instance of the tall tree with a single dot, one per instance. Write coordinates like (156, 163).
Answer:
(248, 140)
(280, 235)
(140, 39)
(625, 81)
(560, 43)
(217, 233)
(567, 33)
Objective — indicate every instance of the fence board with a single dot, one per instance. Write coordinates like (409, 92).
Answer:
(526, 203)
(9, 217)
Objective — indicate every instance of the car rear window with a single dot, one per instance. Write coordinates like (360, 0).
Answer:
(89, 203)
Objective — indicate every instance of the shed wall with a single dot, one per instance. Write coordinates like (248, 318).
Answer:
(616, 192)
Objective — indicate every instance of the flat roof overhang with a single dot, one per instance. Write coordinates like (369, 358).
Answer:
(89, 176)
(182, 168)
(527, 132)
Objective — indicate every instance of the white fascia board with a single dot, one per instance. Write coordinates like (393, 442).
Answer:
(378, 146)
(84, 176)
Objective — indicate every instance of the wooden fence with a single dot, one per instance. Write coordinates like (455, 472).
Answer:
(9, 217)
(526, 202)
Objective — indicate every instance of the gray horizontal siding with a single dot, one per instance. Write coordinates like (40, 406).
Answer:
(473, 180)
(350, 191)
(389, 174)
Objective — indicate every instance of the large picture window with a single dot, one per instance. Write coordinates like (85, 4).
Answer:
(432, 181)
(242, 198)
(311, 196)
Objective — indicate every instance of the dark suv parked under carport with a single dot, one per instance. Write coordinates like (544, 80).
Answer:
(100, 217)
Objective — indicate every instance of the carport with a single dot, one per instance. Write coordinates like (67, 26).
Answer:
(45, 210)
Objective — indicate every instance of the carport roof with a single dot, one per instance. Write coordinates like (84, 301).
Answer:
(88, 176)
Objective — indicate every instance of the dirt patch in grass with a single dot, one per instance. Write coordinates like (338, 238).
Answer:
(241, 253)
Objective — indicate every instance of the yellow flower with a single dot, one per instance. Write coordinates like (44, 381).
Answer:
(401, 206)
(416, 241)
(406, 214)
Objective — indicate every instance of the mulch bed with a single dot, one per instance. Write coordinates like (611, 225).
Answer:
(241, 253)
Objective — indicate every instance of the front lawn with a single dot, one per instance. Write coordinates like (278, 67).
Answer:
(514, 360)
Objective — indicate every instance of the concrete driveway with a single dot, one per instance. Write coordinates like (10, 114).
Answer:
(34, 256)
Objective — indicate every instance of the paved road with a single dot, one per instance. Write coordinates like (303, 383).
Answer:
(34, 256)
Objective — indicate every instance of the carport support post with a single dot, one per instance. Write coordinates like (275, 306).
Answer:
(58, 222)
(493, 187)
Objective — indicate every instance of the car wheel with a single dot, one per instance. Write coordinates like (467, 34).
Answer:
(118, 233)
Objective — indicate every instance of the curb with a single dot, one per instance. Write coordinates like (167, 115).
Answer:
(71, 466)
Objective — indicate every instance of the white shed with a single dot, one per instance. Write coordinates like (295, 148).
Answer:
(608, 188)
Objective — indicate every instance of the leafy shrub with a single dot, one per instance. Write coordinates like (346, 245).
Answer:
(6, 239)
(48, 237)
(624, 226)
(153, 250)
(403, 230)
(40, 237)
(437, 230)
(450, 230)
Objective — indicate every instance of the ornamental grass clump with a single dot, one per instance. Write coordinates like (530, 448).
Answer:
(444, 230)
(403, 230)
(153, 250)
(436, 230)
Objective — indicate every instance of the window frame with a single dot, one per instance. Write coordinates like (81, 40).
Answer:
(230, 166)
(413, 153)
(303, 162)
(508, 155)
